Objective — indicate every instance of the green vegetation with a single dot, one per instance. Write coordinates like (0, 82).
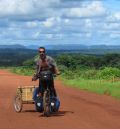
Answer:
(15, 57)
(108, 87)
(104, 73)
(28, 71)
(74, 61)
(99, 74)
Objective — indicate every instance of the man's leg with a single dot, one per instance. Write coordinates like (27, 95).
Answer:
(40, 88)
(35, 92)
(53, 88)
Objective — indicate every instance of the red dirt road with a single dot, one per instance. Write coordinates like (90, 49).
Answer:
(79, 109)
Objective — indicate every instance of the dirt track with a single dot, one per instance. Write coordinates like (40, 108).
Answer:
(79, 109)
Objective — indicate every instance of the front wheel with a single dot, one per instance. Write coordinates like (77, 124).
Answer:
(17, 103)
(46, 103)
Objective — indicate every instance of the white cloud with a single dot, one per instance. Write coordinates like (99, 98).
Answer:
(81, 35)
(60, 36)
(11, 33)
(25, 7)
(117, 15)
(114, 35)
(88, 23)
(50, 22)
(91, 10)
(111, 26)
(32, 24)
(114, 17)
(66, 20)
(36, 35)
(49, 36)
(14, 7)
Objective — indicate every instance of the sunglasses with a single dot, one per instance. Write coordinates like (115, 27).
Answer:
(41, 51)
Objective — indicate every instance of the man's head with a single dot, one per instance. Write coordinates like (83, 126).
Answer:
(42, 53)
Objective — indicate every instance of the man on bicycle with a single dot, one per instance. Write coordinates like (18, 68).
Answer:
(45, 63)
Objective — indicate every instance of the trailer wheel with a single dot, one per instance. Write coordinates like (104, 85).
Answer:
(18, 103)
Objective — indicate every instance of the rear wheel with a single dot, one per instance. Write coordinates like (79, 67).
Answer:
(17, 103)
(46, 103)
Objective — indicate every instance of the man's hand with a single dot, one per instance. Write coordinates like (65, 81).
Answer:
(34, 78)
(58, 73)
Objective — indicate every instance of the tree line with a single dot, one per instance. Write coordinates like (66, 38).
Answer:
(26, 57)
(72, 61)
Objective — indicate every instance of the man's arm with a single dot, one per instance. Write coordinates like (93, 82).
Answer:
(53, 63)
(35, 76)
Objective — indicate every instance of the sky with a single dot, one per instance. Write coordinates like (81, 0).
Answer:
(49, 22)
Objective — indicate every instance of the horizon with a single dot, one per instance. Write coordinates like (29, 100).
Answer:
(59, 22)
(87, 45)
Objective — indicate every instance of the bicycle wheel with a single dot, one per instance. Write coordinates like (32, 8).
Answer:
(17, 103)
(46, 103)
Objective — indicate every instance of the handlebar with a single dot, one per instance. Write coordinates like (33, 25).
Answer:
(36, 76)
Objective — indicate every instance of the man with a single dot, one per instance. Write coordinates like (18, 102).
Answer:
(45, 63)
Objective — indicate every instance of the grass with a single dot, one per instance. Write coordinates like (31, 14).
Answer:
(22, 70)
(4, 67)
(97, 86)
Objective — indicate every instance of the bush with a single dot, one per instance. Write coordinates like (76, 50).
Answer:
(62, 68)
(68, 74)
(29, 62)
(105, 73)
(89, 74)
(109, 72)
(23, 70)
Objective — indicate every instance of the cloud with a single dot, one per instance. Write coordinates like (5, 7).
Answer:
(115, 35)
(33, 24)
(49, 36)
(36, 35)
(114, 17)
(50, 22)
(15, 7)
(58, 21)
(112, 26)
(26, 9)
(93, 9)
(88, 23)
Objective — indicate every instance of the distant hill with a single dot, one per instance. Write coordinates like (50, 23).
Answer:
(66, 47)
(15, 55)
(81, 47)
(32, 47)
(70, 48)
(104, 47)
(74, 47)
(15, 46)
(62, 47)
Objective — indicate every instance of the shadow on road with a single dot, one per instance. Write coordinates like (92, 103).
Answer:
(62, 113)
(59, 113)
